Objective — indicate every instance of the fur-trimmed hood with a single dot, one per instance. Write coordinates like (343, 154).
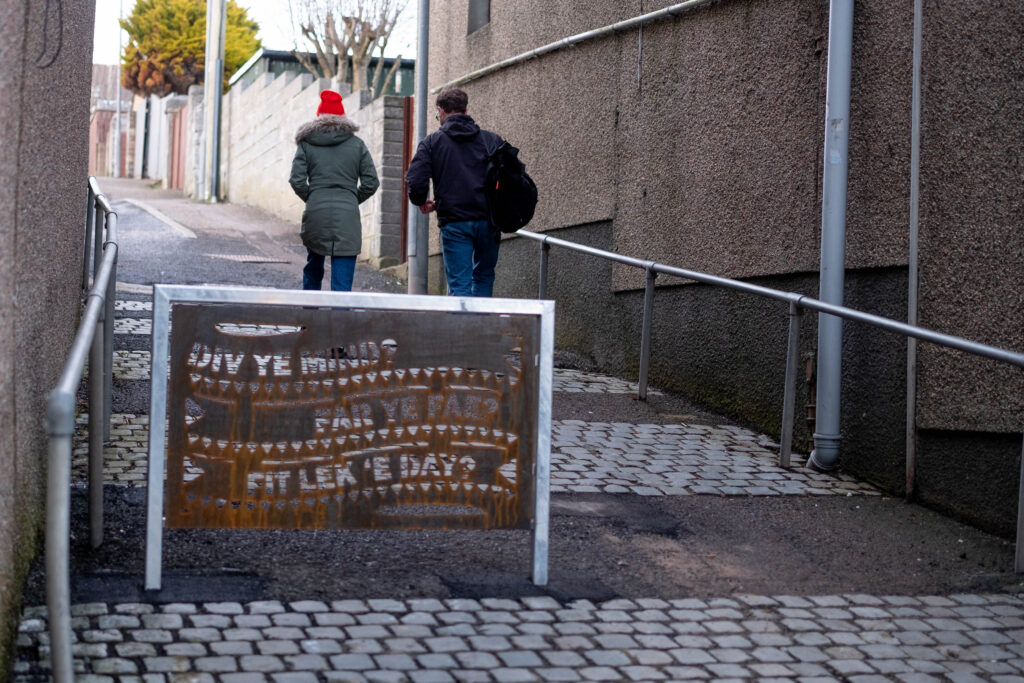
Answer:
(326, 130)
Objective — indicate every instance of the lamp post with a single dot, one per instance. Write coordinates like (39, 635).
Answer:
(418, 242)
(117, 114)
(216, 15)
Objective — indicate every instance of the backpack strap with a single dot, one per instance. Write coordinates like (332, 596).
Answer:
(491, 142)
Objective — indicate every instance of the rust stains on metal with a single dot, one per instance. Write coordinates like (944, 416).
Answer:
(320, 418)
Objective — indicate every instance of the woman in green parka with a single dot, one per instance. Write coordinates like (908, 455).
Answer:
(332, 172)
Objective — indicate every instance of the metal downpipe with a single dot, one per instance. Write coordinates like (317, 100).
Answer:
(418, 241)
(912, 254)
(827, 436)
(542, 276)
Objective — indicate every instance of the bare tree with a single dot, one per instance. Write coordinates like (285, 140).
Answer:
(344, 35)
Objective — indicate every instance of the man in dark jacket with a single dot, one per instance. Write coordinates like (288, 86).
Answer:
(455, 159)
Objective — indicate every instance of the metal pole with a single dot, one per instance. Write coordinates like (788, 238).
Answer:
(215, 165)
(542, 279)
(912, 264)
(542, 464)
(789, 396)
(212, 86)
(97, 241)
(825, 455)
(159, 354)
(89, 216)
(418, 242)
(60, 416)
(218, 88)
(108, 333)
(61, 419)
(117, 117)
(97, 411)
(1018, 558)
(645, 334)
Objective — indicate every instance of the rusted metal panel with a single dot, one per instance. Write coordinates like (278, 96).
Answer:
(291, 417)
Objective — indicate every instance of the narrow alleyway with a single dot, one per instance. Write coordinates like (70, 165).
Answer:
(679, 548)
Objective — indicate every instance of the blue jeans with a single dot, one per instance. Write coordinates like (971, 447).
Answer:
(470, 254)
(343, 269)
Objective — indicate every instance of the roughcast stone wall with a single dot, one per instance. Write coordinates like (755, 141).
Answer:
(46, 51)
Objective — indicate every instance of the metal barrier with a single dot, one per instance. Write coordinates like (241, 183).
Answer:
(290, 409)
(95, 339)
(797, 302)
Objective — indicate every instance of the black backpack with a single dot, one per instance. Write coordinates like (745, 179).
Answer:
(511, 192)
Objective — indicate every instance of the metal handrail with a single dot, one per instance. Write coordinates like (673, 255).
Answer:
(572, 41)
(797, 302)
(95, 339)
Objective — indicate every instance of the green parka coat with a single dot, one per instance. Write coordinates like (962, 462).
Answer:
(332, 172)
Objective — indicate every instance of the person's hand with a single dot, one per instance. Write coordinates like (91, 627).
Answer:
(428, 206)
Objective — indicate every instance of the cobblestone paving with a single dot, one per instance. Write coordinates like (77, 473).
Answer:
(857, 638)
(649, 460)
(131, 364)
(126, 305)
(576, 381)
(124, 455)
(133, 326)
(680, 459)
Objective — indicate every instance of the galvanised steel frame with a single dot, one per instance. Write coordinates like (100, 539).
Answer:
(164, 296)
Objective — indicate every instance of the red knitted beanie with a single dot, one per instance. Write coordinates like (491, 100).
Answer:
(330, 103)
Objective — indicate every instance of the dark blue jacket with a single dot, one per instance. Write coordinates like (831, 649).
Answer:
(455, 159)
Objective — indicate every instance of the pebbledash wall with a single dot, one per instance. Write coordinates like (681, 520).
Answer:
(259, 121)
(46, 50)
(698, 142)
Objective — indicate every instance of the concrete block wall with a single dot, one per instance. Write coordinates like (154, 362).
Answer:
(258, 142)
(381, 128)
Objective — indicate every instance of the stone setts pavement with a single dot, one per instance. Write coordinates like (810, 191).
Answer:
(818, 638)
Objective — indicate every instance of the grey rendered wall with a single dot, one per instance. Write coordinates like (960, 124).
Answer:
(698, 143)
(971, 411)
(972, 213)
(42, 204)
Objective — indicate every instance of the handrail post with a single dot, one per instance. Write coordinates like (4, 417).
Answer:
(97, 412)
(645, 333)
(108, 332)
(97, 243)
(60, 427)
(542, 279)
(89, 217)
(789, 396)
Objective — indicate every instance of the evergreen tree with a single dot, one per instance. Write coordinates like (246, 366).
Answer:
(166, 48)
